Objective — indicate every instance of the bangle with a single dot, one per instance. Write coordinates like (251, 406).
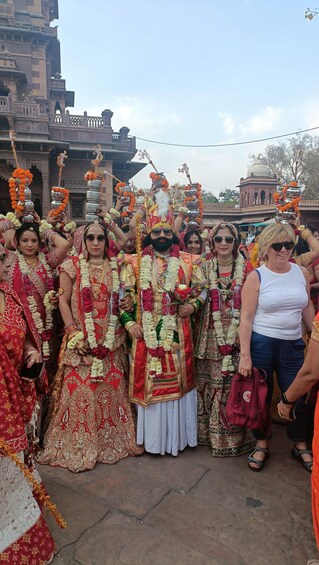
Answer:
(285, 400)
(70, 328)
(114, 212)
(111, 226)
(29, 352)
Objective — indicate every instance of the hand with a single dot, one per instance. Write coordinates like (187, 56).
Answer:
(18, 214)
(136, 331)
(55, 299)
(120, 201)
(185, 310)
(284, 411)
(36, 218)
(127, 304)
(81, 348)
(245, 365)
(33, 357)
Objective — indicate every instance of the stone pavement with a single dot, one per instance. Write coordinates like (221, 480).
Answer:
(189, 510)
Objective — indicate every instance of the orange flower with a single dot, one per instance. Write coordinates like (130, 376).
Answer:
(64, 202)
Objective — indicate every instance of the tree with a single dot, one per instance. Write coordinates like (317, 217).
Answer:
(229, 196)
(311, 14)
(295, 160)
(209, 196)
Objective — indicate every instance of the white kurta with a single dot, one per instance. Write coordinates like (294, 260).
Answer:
(168, 427)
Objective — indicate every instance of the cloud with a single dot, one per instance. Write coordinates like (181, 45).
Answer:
(144, 118)
(264, 122)
(310, 114)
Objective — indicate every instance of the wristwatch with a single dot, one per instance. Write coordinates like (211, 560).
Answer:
(285, 400)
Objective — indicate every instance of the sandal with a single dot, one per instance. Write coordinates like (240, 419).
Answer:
(298, 453)
(260, 464)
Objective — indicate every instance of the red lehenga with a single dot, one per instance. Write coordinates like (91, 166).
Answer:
(24, 536)
(90, 422)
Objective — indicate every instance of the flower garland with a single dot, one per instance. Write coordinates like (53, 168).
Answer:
(99, 352)
(158, 345)
(44, 332)
(280, 199)
(20, 180)
(127, 194)
(226, 341)
(195, 198)
(59, 209)
(159, 181)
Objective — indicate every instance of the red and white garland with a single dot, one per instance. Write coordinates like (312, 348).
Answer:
(158, 346)
(44, 331)
(226, 340)
(99, 352)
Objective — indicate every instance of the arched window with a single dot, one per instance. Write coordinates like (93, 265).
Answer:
(38, 207)
(256, 198)
(269, 198)
(263, 197)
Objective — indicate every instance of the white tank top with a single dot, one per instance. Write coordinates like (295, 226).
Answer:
(282, 298)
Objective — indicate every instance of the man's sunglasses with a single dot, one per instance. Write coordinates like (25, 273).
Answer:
(3, 257)
(286, 244)
(228, 239)
(158, 231)
(91, 237)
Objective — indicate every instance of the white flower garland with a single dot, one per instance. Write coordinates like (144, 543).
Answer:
(169, 325)
(97, 371)
(232, 333)
(36, 316)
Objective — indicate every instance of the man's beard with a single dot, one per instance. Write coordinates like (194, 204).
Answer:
(163, 244)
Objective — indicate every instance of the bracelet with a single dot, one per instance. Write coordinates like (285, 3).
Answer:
(114, 212)
(70, 328)
(285, 400)
(111, 225)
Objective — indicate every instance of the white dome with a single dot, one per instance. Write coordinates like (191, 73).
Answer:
(259, 169)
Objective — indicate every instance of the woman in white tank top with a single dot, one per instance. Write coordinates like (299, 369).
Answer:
(275, 300)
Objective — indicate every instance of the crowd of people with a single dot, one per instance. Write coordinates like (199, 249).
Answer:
(117, 339)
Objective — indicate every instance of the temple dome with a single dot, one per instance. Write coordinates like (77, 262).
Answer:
(259, 169)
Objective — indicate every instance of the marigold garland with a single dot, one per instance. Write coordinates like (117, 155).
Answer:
(127, 194)
(64, 202)
(37, 487)
(280, 197)
(20, 180)
(156, 178)
(90, 175)
(195, 198)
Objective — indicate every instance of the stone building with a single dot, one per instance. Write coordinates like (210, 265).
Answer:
(256, 204)
(34, 103)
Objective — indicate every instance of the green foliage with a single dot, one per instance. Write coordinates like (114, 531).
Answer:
(295, 160)
(229, 196)
(209, 196)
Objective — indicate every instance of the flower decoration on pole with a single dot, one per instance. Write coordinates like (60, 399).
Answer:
(193, 200)
(59, 195)
(287, 198)
(20, 192)
(94, 182)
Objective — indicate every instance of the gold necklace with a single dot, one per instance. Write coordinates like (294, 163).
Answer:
(99, 275)
(225, 262)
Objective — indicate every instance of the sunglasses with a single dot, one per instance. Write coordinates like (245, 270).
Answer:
(227, 239)
(91, 237)
(159, 231)
(3, 257)
(286, 244)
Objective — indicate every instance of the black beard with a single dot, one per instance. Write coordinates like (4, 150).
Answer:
(162, 245)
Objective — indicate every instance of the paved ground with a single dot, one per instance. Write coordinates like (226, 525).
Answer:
(189, 510)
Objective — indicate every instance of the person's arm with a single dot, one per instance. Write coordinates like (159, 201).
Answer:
(309, 257)
(249, 298)
(308, 312)
(138, 217)
(181, 216)
(70, 327)
(304, 381)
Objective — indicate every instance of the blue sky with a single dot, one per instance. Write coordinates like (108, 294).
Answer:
(194, 72)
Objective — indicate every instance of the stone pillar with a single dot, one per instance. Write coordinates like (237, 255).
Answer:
(107, 116)
(46, 192)
(124, 133)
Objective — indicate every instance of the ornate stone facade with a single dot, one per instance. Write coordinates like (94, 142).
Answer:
(34, 103)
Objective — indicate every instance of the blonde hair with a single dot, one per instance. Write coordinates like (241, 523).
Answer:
(272, 234)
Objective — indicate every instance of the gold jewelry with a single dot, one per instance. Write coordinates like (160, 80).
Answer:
(225, 262)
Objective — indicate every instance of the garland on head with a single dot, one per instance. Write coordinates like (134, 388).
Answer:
(226, 340)
(99, 352)
(45, 331)
(157, 346)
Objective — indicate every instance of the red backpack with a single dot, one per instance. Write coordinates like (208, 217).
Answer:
(246, 404)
